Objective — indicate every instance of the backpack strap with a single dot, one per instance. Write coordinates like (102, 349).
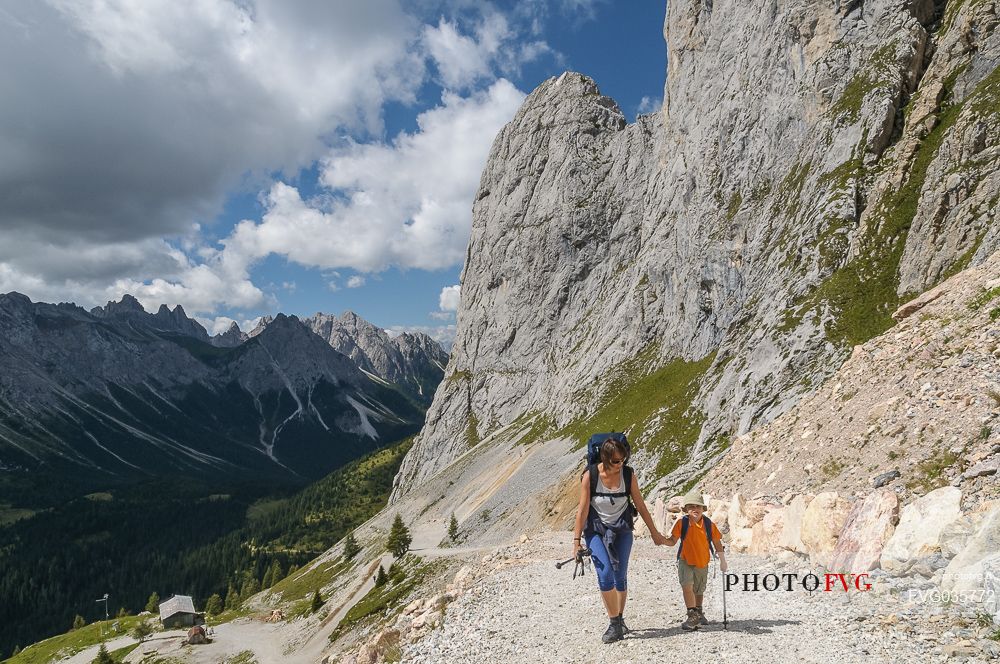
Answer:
(708, 535)
(623, 491)
(592, 469)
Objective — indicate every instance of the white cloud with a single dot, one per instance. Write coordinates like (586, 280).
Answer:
(462, 60)
(449, 298)
(442, 315)
(407, 203)
(212, 98)
(649, 105)
(459, 59)
(202, 93)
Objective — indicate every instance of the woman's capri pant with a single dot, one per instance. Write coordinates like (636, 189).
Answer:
(607, 577)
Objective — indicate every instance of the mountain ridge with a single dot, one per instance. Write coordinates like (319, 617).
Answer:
(119, 391)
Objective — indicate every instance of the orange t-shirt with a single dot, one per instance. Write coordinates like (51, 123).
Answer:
(695, 550)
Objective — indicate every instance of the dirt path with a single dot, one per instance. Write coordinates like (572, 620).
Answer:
(527, 611)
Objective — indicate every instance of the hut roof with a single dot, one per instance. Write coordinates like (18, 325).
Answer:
(176, 604)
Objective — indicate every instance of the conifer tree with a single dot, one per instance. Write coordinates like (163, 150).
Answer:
(351, 547)
(79, 622)
(277, 572)
(103, 656)
(232, 598)
(382, 578)
(213, 606)
(399, 538)
(141, 631)
(317, 601)
(268, 578)
(153, 603)
(250, 587)
(453, 528)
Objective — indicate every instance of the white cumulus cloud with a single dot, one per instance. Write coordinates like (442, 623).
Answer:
(407, 203)
(449, 298)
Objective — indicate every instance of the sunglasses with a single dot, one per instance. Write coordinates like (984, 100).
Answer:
(617, 462)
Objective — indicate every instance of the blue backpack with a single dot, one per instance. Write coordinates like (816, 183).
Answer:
(595, 442)
(594, 456)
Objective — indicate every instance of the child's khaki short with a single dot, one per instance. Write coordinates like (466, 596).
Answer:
(692, 576)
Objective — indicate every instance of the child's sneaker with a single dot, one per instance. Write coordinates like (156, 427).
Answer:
(693, 620)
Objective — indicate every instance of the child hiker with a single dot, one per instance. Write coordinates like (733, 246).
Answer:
(609, 524)
(693, 556)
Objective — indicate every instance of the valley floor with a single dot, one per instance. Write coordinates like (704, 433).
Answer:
(525, 610)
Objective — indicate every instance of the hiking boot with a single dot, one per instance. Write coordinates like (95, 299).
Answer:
(693, 620)
(702, 618)
(614, 631)
(625, 628)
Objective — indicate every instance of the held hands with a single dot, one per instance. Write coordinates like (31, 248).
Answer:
(659, 539)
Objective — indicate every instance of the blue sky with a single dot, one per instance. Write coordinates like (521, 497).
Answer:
(244, 159)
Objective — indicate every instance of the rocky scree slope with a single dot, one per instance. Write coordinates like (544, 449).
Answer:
(913, 409)
(118, 393)
(693, 274)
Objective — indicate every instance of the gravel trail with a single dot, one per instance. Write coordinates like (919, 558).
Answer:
(524, 610)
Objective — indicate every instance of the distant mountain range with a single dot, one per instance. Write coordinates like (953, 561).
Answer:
(118, 393)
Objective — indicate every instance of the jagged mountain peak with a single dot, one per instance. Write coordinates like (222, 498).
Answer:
(231, 338)
(128, 304)
(261, 325)
(415, 365)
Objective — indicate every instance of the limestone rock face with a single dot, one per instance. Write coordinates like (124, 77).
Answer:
(766, 534)
(729, 232)
(954, 535)
(966, 570)
(867, 529)
(822, 523)
(791, 534)
(920, 526)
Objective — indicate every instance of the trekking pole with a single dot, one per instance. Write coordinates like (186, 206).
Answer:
(580, 566)
(578, 569)
(725, 616)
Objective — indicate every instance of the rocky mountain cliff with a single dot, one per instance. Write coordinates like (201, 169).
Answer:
(118, 393)
(696, 273)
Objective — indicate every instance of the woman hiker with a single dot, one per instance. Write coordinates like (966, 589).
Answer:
(609, 516)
